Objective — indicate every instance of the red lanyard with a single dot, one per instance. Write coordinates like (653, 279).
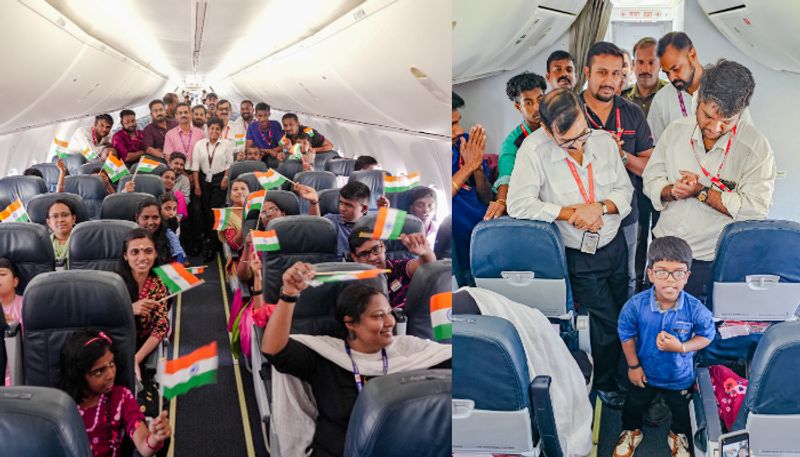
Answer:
(715, 179)
(598, 126)
(525, 131)
(94, 138)
(269, 131)
(185, 145)
(683, 106)
(587, 198)
(227, 129)
(357, 374)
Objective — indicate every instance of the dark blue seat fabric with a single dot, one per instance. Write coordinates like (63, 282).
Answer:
(321, 158)
(290, 168)
(444, 239)
(379, 424)
(29, 248)
(37, 206)
(373, 179)
(394, 248)
(22, 187)
(245, 166)
(429, 279)
(252, 182)
(122, 206)
(149, 184)
(73, 162)
(40, 421)
(91, 189)
(319, 180)
(328, 201)
(340, 166)
(97, 245)
(90, 168)
(50, 172)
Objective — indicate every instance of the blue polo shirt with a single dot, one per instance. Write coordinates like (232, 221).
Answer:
(467, 210)
(642, 318)
(343, 230)
(268, 139)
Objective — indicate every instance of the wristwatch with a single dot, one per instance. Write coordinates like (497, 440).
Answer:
(624, 158)
(703, 195)
(605, 208)
(287, 298)
(638, 365)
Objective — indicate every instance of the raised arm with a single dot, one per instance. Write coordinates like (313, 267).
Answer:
(276, 335)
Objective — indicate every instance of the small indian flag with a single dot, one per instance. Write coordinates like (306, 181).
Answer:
(323, 277)
(255, 201)
(115, 168)
(284, 141)
(176, 277)
(308, 131)
(222, 217)
(400, 183)
(14, 212)
(389, 224)
(196, 270)
(89, 154)
(178, 376)
(266, 241)
(296, 153)
(147, 165)
(270, 179)
(442, 315)
(61, 147)
(239, 139)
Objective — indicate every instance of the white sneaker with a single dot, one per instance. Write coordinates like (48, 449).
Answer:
(628, 440)
(678, 444)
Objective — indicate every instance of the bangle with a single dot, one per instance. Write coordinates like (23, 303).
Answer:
(502, 201)
(638, 365)
(147, 442)
(455, 186)
(313, 203)
(256, 292)
(287, 298)
(684, 348)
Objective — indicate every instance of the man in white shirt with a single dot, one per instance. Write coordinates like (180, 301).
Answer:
(231, 131)
(212, 160)
(711, 169)
(95, 138)
(577, 180)
(246, 113)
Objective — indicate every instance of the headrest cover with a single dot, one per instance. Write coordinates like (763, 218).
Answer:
(73, 162)
(90, 168)
(97, 245)
(122, 206)
(252, 181)
(379, 424)
(286, 201)
(37, 206)
(50, 172)
(290, 168)
(304, 234)
(87, 186)
(489, 364)
(41, 421)
(29, 248)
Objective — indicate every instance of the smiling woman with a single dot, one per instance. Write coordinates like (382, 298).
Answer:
(61, 220)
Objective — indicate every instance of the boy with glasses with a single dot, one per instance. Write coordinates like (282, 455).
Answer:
(373, 252)
(661, 329)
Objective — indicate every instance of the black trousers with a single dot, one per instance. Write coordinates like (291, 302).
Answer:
(648, 218)
(213, 197)
(600, 286)
(638, 401)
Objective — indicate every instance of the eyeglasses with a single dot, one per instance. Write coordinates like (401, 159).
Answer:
(60, 216)
(376, 250)
(679, 275)
(145, 251)
(98, 372)
(271, 211)
(578, 140)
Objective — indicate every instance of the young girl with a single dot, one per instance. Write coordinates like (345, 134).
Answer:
(170, 178)
(9, 279)
(88, 371)
(169, 211)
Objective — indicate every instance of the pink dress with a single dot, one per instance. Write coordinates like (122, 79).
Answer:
(13, 310)
(182, 210)
(115, 414)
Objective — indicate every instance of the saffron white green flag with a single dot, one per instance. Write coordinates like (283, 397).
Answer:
(222, 217)
(270, 179)
(254, 201)
(89, 154)
(265, 241)
(442, 315)
(147, 165)
(178, 376)
(115, 168)
(14, 212)
(338, 276)
(389, 224)
(176, 277)
(61, 147)
(400, 183)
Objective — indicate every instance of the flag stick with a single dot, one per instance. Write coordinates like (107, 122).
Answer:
(328, 273)
(161, 360)
(202, 281)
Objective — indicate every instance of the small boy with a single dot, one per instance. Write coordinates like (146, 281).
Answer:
(353, 205)
(660, 330)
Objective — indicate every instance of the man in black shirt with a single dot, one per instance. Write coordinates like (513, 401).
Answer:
(292, 127)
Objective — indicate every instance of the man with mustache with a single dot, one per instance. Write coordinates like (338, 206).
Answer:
(626, 122)
(526, 91)
(679, 61)
(711, 168)
(560, 70)
(128, 141)
(155, 132)
(199, 115)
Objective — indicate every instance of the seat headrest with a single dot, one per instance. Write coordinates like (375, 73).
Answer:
(37, 206)
(444, 239)
(159, 170)
(340, 166)
(87, 186)
(252, 181)
(373, 179)
(309, 239)
(290, 168)
(489, 364)
(50, 172)
(73, 162)
(41, 421)
(388, 405)
(286, 200)
(464, 303)
(145, 183)
(774, 378)
(757, 247)
(90, 168)
(97, 245)
(29, 248)
(122, 206)
(319, 180)
(429, 279)
(321, 158)
(245, 166)
(329, 201)
(58, 303)
(315, 313)
(22, 187)
(394, 248)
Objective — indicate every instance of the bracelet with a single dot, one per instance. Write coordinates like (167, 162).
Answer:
(684, 348)
(147, 442)
(455, 186)
(313, 203)
(287, 298)
(256, 292)
(638, 365)
(502, 201)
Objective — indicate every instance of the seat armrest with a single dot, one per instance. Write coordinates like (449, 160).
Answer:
(705, 405)
(247, 292)
(545, 418)
(13, 329)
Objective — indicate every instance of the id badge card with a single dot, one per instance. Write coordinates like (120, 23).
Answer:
(589, 242)
(209, 176)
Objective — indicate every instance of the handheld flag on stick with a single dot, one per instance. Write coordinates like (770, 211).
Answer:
(296, 153)
(61, 147)
(254, 201)
(147, 165)
(179, 376)
(442, 315)
(176, 278)
(338, 276)
(389, 224)
(89, 154)
(271, 179)
(196, 270)
(265, 241)
(222, 217)
(14, 212)
(115, 168)
(392, 184)
(239, 140)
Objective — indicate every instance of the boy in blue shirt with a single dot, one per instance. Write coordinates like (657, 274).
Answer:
(660, 330)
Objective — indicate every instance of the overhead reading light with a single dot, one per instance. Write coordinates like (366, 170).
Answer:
(429, 84)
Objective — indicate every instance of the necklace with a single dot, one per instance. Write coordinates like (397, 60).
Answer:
(96, 414)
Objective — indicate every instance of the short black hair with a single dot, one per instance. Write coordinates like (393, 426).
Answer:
(355, 240)
(216, 121)
(209, 95)
(33, 172)
(558, 55)
(458, 102)
(145, 203)
(246, 102)
(9, 265)
(523, 82)
(126, 112)
(177, 155)
(167, 197)
(202, 107)
(104, 117)
(154, 102)
(355, 190)
(290, 116)
(644, 43)
(182, 104)
(559, 109)
(169, 97)
(224, 101)
(261, 106)
(729, 85)
(602, 48)
(421, 192)
(364, 162)
(59, 201)
(669, 249)
(353, 301)
(677, 40)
